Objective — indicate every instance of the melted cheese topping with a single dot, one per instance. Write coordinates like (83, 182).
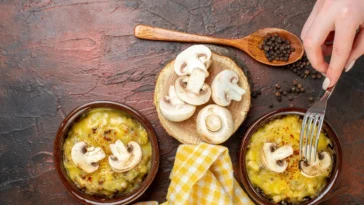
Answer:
(291, 185)
(99, 128)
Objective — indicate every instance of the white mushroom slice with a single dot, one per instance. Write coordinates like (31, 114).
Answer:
(197, 56)
(124, 158)
(225, 88)
(193, 97)
(273, 158)
(86, 158)
(317, 167)
(174, 109)
(214, 124)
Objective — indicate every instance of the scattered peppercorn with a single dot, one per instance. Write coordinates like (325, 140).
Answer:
(271, 106)
(290, 98)
(310, 99)
(278, 94)
(279, 98)
(278, 86)
(254, 94)
(295, 82)
(299, 85)
(284, 93)
(302, 90)
(259, 92)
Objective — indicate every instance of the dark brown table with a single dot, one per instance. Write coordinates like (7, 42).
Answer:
(56, 55)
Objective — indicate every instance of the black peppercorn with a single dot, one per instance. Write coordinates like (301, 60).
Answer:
(278, 94)
(295, 82)
(299, 85)
(310, 99)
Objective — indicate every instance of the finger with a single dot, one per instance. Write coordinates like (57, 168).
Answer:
(311, 18)
(356, 51)
(344, 36)
(315, 37)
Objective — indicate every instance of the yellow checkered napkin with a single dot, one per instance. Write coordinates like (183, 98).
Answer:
(203, 174)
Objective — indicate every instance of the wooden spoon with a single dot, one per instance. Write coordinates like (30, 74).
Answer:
(248, 44)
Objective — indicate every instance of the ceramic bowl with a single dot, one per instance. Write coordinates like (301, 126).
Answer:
(58, 154)
(243, 175)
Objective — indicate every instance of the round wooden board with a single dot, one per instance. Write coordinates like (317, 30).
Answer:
(185, 131)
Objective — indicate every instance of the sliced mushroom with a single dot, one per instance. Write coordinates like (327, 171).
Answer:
(316, 167)
(197, 56)
(273, 158)
(174, 109)
(214, 124)
(225, 88)
(86, 158)
(192, 96)
(124, 158)
(192, 64)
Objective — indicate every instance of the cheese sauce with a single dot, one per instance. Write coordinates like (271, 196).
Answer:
(290, 186)
(99, 128)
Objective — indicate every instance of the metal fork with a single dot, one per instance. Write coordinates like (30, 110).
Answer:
(315, 115)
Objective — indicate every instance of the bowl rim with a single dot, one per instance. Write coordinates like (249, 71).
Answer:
(63, 129)
(261, 121)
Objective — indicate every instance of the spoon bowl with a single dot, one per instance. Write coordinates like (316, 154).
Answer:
(249, 44)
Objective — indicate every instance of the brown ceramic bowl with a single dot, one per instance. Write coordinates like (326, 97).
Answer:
(243, 175)
(58, 154)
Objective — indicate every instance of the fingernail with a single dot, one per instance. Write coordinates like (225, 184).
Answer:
(326, 83)
(350, 65)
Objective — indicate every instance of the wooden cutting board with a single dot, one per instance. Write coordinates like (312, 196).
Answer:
(185, 132)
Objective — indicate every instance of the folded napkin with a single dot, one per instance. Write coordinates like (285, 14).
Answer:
(203, 174)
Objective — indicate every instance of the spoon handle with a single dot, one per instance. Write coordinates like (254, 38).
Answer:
(160, 34)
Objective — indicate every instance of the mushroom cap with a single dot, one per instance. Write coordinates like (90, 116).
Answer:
(225, 88)
(174, 109)
(125, 158)
(273, 159)
(86, 158)
(196, 56)
(214, 124)
(317, 167)
(190, 97)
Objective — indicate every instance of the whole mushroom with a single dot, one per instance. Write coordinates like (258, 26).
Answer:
(225, 88)
(192, 65)
(273, 157)
(124, 158)
(214, 124)
(85, 157)
(316, 167)
(174, 109)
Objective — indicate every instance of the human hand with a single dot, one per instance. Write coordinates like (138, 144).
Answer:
(343, 17)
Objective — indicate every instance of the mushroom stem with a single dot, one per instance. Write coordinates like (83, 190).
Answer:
(282, 152)
(196, 80)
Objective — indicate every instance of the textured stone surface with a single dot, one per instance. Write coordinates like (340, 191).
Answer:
(56, 55)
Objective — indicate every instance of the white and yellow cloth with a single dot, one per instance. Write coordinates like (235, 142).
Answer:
(203, 174)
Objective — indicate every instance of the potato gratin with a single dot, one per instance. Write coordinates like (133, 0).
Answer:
(287, 182)
(98, 168)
